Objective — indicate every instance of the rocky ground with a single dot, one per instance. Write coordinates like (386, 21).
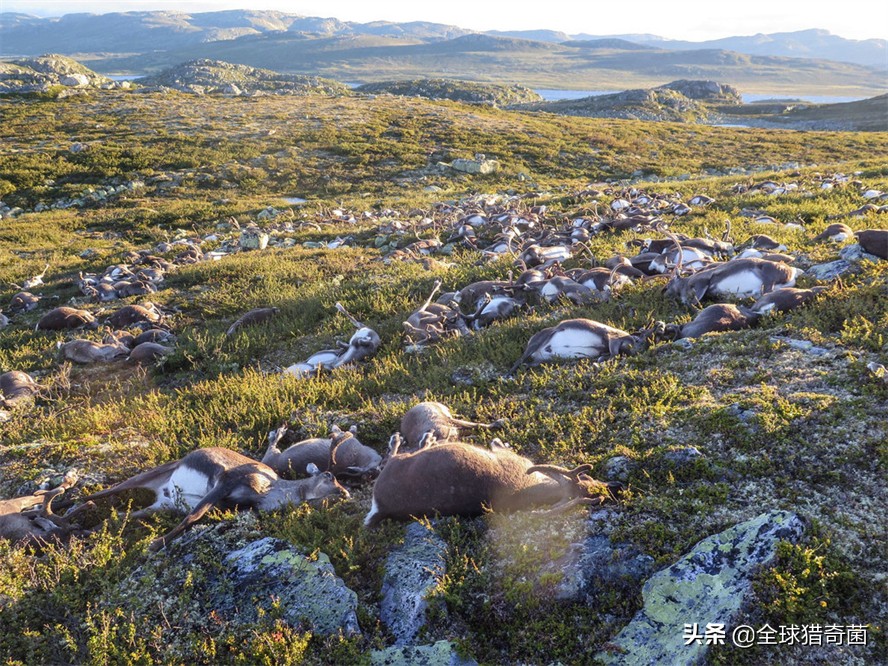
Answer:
(754, 459)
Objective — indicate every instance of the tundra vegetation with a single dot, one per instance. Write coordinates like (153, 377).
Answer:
(786, 414)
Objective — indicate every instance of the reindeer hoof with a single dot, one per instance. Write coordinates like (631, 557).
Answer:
(156, 545)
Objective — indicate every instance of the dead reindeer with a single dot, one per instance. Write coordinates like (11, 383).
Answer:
(30, 283)
(252, 318)
(473, 294)
(30, 520)
(874, 241)
(493, 308)
(433, 321)
(17, 388)
(24, 301)
(764, 243)
(160, 336)
(459, 479)
(740, 278)
(712, 319)
(604, 281)
(534, 255)
(62, 318)
(435, 418)
(87, 351)
(837, 233)
(341, 453)
(363, 344)
(220, 478)
(785, 299)
(131, 315)
(148, 352)
(575, 339)
(561, 286)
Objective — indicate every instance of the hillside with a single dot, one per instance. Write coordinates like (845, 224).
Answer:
(679, 101)
(456, 91)
(214, 76)
(137, 43)
(47, 72)
(752, 461)
(868, 115)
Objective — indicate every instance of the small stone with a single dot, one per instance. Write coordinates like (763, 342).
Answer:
(683, 456)
(78, 147)
(618, 468)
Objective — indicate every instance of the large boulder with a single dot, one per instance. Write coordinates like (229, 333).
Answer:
(708, 585)
(706, 91)
(231, 569)
(411, 571)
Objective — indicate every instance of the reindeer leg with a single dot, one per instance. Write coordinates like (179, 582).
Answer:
(211, 500)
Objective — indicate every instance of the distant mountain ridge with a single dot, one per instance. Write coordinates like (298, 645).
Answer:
(137, 32)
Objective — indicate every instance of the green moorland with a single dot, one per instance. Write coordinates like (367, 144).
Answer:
(777, 426)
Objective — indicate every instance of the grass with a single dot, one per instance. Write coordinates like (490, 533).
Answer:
(777, 427)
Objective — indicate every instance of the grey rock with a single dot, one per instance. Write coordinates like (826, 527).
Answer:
(411, 571)
(231, 569)
(618, 468)
(482, 166)
(596, 565)
(830, 270)
(709, 584)
(442, 653)
(802, 345)
(854, 253)
(307, 590)
(683, 456)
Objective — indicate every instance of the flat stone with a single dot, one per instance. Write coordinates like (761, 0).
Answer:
(307, 590)
(829, 271)
(442, 653)
(475, 166)
(683, 456)
(411, 571)
(707, 585)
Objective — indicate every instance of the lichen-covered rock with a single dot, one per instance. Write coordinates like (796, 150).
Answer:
(482, 166)
(231, 570)
(855, 252)
(830, 270)
(442, 653)
(307, 590)
(253, 239)
(411, 571)
(597, 565)
(708, 585)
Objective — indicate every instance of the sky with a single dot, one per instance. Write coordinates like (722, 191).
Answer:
(675, 19)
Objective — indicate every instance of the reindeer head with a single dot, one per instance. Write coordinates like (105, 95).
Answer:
(577, 487)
